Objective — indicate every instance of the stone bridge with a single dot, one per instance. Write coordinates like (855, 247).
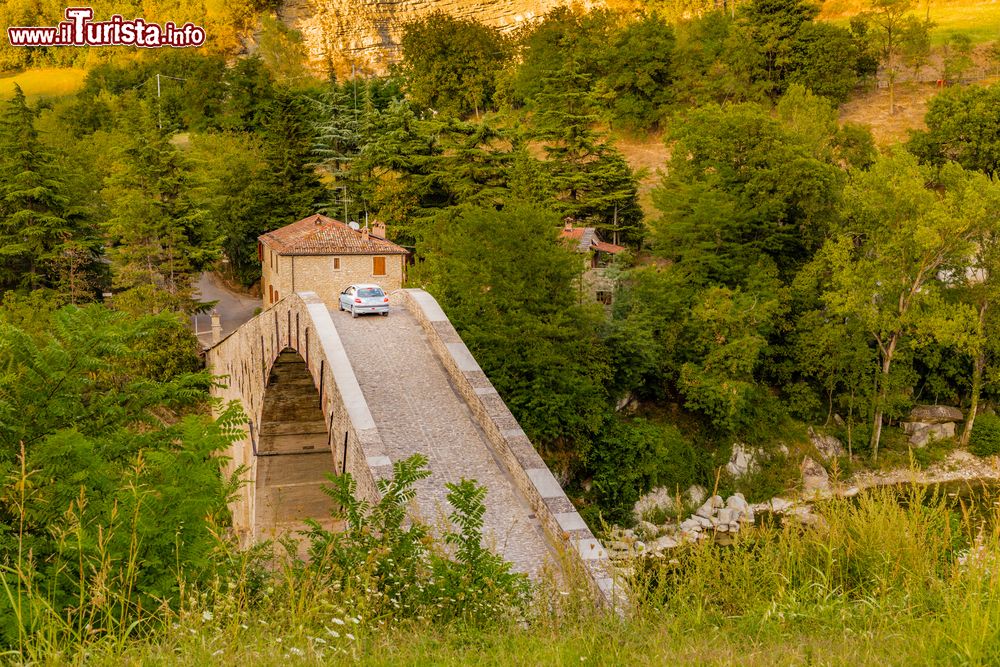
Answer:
(326, 393)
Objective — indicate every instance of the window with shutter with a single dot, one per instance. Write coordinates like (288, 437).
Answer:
(378, 266)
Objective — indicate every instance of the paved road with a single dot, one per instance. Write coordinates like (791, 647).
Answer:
(233, 308)
(416, 409)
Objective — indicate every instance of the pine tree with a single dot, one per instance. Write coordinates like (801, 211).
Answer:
(43, 241)
(157, 233)
(590, 178)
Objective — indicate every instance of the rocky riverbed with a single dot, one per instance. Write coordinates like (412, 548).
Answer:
(719, 519)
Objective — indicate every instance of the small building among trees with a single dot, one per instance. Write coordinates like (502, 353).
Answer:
(324, 255)
(585, 240)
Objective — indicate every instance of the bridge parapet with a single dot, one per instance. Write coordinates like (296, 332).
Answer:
(289, 368)
(300, 323)
(563, 524)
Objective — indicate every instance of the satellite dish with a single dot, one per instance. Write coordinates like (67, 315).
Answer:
(353, 224)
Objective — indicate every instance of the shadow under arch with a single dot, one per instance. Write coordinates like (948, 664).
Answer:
(293, 452)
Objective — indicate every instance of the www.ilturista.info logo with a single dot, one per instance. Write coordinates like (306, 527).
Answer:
(80, 30)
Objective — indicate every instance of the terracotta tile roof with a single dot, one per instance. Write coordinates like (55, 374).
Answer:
(609, 248)
(320, 235)
(586, 239)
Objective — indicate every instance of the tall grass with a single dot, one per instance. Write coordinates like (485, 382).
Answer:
(886, 578)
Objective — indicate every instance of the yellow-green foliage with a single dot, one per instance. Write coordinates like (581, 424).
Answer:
(879, 580)
(43, 82)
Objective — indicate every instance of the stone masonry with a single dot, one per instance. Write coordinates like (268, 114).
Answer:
(385, 388)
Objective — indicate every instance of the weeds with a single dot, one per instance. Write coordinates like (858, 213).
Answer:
(895, 576)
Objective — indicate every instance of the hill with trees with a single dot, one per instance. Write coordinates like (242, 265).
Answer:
(786, 276)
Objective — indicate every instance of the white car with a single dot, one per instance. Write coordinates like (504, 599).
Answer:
(361, 299)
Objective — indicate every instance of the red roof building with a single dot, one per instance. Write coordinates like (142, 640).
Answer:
(323, 255)
(320, 235)
(585, 239)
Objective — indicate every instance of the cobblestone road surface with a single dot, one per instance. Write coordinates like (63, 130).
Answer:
(416, 409)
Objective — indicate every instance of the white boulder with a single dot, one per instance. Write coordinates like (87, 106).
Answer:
(814, 477)
(743, 460)
(828, 446)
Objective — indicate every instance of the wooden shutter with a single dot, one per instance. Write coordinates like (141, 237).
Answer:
(378, 266)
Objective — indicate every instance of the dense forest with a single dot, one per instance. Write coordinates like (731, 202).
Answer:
(784, 272)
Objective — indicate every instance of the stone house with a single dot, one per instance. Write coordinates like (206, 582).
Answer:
(324, 255)
(597, 255)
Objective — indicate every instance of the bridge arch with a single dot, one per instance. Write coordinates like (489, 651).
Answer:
(294, 454)
(307, 416)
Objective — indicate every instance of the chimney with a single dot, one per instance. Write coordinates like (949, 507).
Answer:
(364, 233)
(216, 327)
(378, 229)
(568, 224)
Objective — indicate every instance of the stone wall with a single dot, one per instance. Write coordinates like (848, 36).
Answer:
(316, 273)
(563, 525)
(300, 322)
(367, 34)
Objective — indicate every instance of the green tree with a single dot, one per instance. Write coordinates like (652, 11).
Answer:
(157, 233)
(773, 26)
(451, 65)
(45, 240)
(589, 179)
(391, 170)
(740, 186)
(542, 354)
(254, 183)
(716, 61)
(978, 277)
(963, 125)
(916, 45)
(638, 83)
(726, 341)
(825, 59)
(884, 265)
(567, 39)
(891, 29)
(91, 473)
(957, 57)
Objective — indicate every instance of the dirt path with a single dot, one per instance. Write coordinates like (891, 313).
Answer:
(233, 308)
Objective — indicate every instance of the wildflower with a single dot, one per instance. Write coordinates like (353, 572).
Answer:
(350, 636)
(332, 633)
(296, 651)
(337, 621)
(206, 615)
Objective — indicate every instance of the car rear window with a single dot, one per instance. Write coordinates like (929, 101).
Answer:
(370, 292)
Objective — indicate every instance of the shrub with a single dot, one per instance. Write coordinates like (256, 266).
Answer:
(110, 481)
(403, 574)
(634, 456)
(985, 440)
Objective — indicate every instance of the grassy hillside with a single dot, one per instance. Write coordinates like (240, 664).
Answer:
(979, 20)
(43, 82)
